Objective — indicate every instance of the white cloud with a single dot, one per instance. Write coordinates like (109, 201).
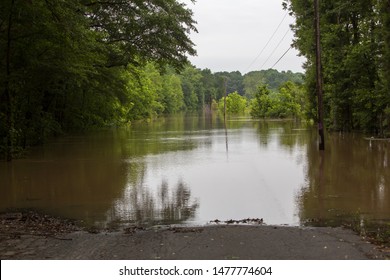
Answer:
(232, 34)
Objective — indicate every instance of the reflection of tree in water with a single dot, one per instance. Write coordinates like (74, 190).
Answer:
(286, 133)
(167, 206)
(178, 206)
(349, 180)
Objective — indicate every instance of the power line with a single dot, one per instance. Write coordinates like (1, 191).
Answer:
(281, 58)
(281, 40)
(266, 45)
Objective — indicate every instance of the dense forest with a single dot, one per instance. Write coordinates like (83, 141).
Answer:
(75, 64)
(82, 64)
(355, 40)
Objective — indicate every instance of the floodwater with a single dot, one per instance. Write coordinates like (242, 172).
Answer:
(194, 169)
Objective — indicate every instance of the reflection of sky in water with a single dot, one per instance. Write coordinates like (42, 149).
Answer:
(193, 170)
(234, 180)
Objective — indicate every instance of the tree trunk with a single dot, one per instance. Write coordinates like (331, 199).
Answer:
(319, 76)
(7, 91)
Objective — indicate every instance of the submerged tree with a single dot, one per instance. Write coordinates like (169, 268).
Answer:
(262, 102)
(235, 103)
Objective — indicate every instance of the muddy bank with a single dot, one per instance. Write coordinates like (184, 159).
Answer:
(33, 236)
(15, 224)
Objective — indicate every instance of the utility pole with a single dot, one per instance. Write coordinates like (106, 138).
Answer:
(224, 99)
(319, 76)
(7, 90)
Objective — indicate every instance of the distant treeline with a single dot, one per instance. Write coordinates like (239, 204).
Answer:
(246, 85)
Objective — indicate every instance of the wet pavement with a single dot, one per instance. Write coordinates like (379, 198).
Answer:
(227, 242)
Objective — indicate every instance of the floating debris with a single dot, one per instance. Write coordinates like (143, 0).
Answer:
(133, 229)
(186, 230)
(249, 221)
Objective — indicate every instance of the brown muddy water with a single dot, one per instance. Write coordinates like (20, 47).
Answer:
(194, 169)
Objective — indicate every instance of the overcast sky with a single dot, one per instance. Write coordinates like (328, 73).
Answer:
(233, 33)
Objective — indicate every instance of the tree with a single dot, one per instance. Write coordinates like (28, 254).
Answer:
(262, 103)
(292, 100)
(354, 60)
(234, 81)
(235, 103)
(193, 90)
(67, 64)
(172, 94)
(142, 100)
(251, 82)
(210, 85)
(49, 56)
(384, 61)
(272, 78)
(288, 102)
(134, 31)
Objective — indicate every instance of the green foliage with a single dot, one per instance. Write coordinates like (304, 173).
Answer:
(262, 103)
(235, 103)
(193, 90)
(137, 30)
(142, 94)
(82, 64)
(290, 101)
(355, 45)
(234, 81)
(246, 85)
(214, 86)
(150, 93)
(79, 64)
(271, 77)
(172, 94)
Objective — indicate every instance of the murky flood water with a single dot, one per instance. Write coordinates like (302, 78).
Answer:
(196, 169)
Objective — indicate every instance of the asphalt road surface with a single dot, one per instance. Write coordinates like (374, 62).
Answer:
(227, 242)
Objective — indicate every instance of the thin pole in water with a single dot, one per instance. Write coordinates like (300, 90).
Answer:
(224, 99)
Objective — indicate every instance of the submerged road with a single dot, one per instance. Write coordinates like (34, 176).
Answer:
(203, 243)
